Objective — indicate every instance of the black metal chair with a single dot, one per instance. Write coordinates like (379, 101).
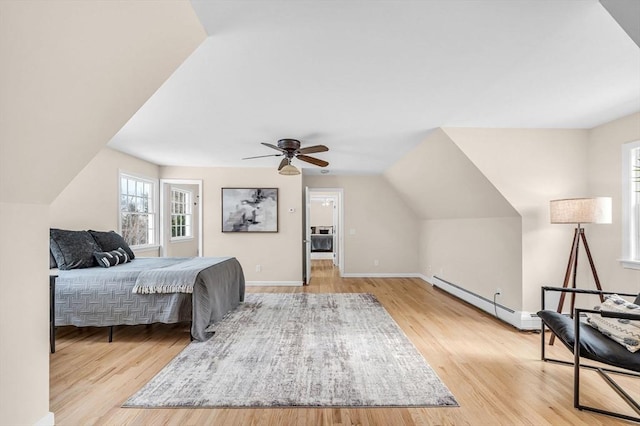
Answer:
(587, 342)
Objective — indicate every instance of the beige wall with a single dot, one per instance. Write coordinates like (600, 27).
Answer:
(386, 229)
(469, 234)
(90, 201)
(438, 181)
(478, 254)
(605, 171)
(278, 254)
(530, 168)
(320, 215)
(72, 74)
(24, 313)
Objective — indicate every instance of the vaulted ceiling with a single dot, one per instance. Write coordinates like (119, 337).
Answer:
(372, 79)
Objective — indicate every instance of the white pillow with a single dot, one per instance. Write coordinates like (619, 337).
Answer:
(624, 331)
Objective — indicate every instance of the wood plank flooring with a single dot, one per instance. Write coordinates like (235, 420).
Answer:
(493, 370)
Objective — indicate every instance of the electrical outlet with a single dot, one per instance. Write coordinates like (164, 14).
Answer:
(376, 262)
(258, 268)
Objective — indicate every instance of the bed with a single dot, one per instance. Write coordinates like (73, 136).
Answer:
(139, 290)
(321, 243)
(321, 239)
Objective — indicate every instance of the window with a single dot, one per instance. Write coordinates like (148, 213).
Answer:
(137, 210)
(181, 214)
(631, 204)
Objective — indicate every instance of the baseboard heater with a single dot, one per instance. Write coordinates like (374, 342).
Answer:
(519, 319)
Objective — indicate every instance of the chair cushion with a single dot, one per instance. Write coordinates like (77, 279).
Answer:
(593, 344)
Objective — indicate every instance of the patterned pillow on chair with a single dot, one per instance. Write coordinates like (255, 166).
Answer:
(624, 331)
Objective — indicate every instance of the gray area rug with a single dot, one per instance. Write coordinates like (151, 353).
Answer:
(299, 350)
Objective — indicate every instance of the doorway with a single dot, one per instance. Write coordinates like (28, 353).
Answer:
(180, 218)
(323, 232)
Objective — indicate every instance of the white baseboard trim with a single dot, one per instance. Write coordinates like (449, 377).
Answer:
(521, 320)
(273, 283)
(322, 255)
(425, 278)
(47, 420)
(381, 275)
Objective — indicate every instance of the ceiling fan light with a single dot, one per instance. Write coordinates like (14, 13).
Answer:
(289, 170)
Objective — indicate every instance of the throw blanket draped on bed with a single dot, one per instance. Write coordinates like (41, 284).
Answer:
(174, 278)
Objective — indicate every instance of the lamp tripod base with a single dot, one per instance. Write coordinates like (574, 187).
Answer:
(572, 270)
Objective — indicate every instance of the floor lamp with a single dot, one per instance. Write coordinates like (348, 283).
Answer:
(579, 211)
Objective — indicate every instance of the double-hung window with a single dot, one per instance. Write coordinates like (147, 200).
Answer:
(631, 205)
(181, 214)
(138, 210)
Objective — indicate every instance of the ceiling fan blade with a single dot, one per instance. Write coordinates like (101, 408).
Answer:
(270, 145)
(262, 156)
(312, 149)
(312, 160)
(283, 163)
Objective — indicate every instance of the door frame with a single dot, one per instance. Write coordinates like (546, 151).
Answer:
(338, 193)
(163, 182)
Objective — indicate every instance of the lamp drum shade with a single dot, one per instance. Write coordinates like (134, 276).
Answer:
(581, 210)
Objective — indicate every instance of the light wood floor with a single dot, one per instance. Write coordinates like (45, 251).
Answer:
(493, 370)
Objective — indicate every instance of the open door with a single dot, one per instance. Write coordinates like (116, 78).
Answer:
(337, 231)
(307, 235)
(318, 218)
(180, 218)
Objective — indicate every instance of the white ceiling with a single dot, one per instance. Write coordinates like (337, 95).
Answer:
(370, 79)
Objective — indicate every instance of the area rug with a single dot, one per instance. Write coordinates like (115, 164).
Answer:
(299, 350)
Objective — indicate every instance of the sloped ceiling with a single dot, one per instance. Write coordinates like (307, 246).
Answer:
(72, 74)
(371, 78)
(439, 181)
(627, 14)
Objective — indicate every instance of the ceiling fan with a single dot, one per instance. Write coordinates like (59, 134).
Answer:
(290, 149)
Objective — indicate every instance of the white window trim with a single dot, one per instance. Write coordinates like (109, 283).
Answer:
(190, 204)
(627, 260)
(155, 205)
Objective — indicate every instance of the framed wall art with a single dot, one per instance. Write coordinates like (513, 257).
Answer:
(249, 209)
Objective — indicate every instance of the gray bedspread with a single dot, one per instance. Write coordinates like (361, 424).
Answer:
(104, 297)
(322, 242)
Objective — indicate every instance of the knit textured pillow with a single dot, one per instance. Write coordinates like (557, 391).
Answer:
(624, 331)
(111, 240)
(107, 259)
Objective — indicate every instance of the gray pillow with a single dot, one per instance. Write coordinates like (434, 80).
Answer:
(52, 261)
(110, 241)
(72, 249)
